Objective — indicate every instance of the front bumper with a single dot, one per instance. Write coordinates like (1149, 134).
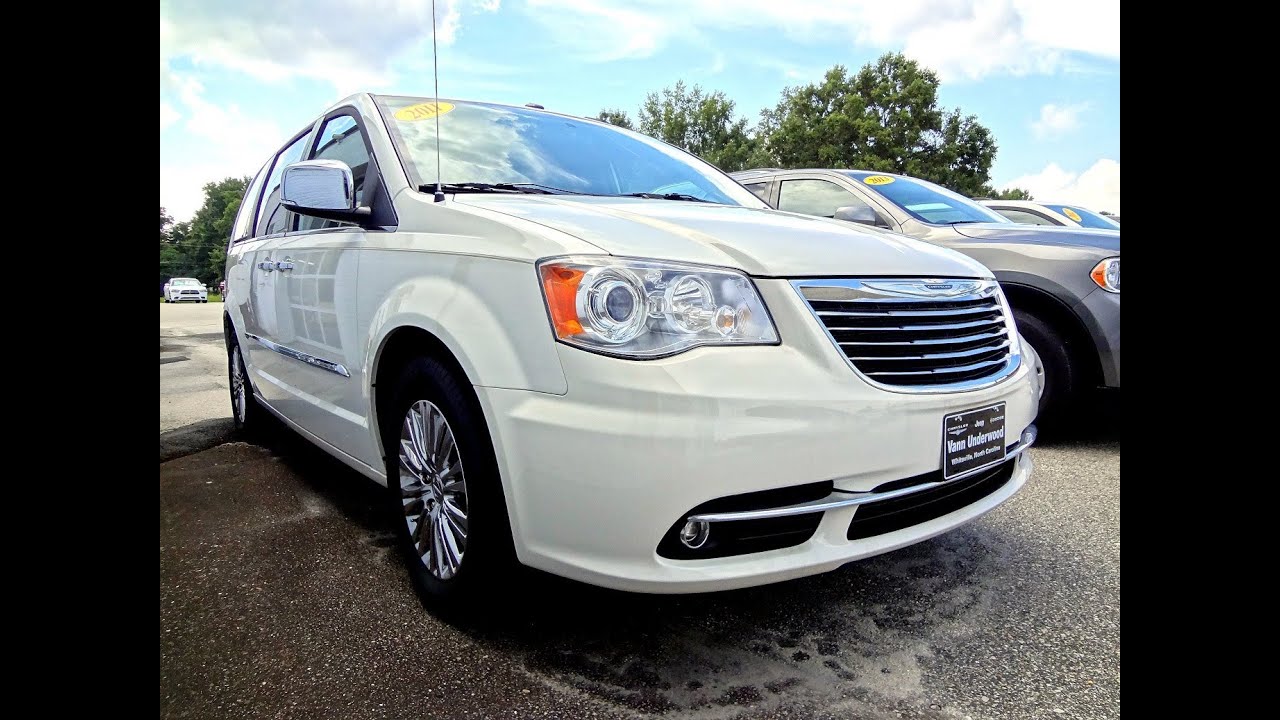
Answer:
(594, 478)
(188, 298)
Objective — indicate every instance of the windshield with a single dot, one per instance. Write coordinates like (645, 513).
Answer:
(925, 201)
(184, 281)
(481, 143)
(1086, 218)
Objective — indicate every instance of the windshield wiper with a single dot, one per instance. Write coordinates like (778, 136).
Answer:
(478, 187)
(963, 222)
(663, 196)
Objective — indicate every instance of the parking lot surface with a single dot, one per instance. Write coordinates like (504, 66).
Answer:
(281, 597)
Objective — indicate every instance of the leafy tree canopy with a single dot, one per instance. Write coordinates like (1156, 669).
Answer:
(885, 117)
(616, 117)
(198, 248)
(701, 123)
(1009, 194)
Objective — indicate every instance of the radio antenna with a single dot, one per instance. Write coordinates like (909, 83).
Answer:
(435, 76)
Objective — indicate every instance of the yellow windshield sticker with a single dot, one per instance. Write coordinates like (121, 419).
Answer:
(1071, 214)
(877, 179)
(423, 111)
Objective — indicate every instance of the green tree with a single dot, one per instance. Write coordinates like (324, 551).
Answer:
(206, 240)
(885, 117)
(616, 117)
(198, 248)
(1009, 194)
(701, 123)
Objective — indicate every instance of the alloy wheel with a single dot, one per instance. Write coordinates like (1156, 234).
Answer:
(433, 489)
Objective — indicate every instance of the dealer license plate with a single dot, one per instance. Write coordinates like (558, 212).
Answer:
(972, 439)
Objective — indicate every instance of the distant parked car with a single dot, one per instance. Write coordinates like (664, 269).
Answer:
(1028, 212)
(1063, 282)
(185, 290)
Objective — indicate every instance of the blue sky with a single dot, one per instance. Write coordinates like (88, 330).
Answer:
(238, 76)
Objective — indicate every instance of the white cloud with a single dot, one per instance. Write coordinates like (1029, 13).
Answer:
(231, 144)
(1058, 120)
(168, 115)
(350, 45)
(960, 39)
(1097, 188)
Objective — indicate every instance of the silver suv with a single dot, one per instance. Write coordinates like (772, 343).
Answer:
(1063, 283)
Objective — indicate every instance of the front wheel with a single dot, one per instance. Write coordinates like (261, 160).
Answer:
(443, 484)
(1060, 379)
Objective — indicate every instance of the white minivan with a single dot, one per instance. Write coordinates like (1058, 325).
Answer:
(565, 344)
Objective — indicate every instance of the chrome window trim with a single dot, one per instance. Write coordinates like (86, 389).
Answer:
(842, 499)
(312, 360)
(907, 289)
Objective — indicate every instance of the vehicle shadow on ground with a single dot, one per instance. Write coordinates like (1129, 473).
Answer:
(844, 636)
(1095, 425)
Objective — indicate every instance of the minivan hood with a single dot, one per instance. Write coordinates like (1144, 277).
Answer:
(1013, 232)
(758, 241)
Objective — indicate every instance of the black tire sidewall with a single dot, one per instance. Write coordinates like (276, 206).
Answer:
(1059, 373)
(488, 548)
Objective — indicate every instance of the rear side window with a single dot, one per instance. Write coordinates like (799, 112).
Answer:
(761, 190)
(1024, 217)
(248, 204)
(341, 139)
(272, 218)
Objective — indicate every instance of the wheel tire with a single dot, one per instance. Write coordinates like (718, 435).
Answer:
(431, 496)
(246, 413)
(1061, 377)
(204, 301)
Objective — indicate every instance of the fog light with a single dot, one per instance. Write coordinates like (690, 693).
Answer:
(694, 533)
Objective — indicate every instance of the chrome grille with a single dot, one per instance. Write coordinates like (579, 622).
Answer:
(912, 333)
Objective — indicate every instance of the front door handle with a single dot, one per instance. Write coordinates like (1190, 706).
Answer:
(284, 265)
(267, 266)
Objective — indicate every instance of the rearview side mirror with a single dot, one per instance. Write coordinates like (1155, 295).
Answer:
(323, 189)
(852, 213)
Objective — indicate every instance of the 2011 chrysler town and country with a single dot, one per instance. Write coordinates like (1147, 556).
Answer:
(595, 354)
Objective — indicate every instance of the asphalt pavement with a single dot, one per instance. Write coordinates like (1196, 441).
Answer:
(280, 596)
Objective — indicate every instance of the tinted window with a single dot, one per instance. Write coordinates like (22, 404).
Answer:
(248, 204)
(340, 139)
(1086, 218)
(925, 201)
(1024, 217)
(272, 218)
(761, 190)
(815, 197)
(498, 144)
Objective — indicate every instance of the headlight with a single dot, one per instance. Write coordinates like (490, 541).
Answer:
(1107, 274)
(649, 308)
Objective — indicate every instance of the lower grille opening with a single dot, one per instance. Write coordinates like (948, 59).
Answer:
(885, 516)
(741, 537)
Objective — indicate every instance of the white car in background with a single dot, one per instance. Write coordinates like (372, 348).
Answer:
(185, 290)
(1028, 212)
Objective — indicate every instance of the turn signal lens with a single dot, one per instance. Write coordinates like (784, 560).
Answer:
(1106, 274)
(561, 287)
